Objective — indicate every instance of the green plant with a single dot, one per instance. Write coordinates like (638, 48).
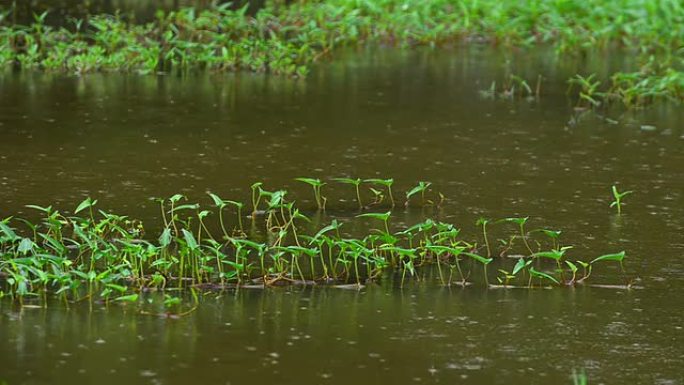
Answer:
(617, 199)
(387, 183)
(96, 251)
(316, 184)
(521, 226)
(356, 182)
(483, 222)
(420, 188)
(579, 378)
(483, 261)
(384, 217)
(588, 89)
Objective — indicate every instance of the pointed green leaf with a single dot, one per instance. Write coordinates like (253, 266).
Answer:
(610, 257)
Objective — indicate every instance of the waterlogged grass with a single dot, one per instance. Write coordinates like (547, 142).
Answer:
(289, 39)
(112, 257)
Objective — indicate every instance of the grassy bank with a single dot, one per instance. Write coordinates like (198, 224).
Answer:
(288, 40)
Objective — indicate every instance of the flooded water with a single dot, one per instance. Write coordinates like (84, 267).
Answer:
(410, 115)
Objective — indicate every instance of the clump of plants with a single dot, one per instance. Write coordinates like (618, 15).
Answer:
(114, 257)
(289, 39)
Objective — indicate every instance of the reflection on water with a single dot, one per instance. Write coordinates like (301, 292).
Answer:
(408, 115)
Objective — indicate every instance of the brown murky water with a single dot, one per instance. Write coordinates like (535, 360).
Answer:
(411, 115)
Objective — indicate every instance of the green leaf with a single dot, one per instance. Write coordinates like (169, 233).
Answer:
(549, 233)
(334, 225)
(610, 257)
(311, 181)
(165, 238)
(518, 221)
(556, 255)
(217, 201)
(479, 258)
(194, 206)
(572, 266)
(8, 231)
(87, 203)
(422, 186)
(540, 274)
(128, 298)
(584, 264)
(519, 265)
(381, 216)
(383, 182)
(355, 182)
(119, 288)
(235, 203)
(190, 239)
(25, 246)
(46, 210)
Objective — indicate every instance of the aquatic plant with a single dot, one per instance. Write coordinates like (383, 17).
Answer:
(288, 40)
(421, 187)
(483, 222)
(387, 183)
(384, 217)
(356, 183)
(588, 90)
(316, 184)
(483, 261)
(617, 199)
(521, 226)
(97, 251)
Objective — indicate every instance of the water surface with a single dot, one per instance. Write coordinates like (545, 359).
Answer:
(411, 115)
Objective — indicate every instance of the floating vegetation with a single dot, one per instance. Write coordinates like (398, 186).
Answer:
(114, 256)
(287, 40)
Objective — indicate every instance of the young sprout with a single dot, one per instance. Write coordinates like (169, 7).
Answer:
(586, 270)
(378, 196)
(381, 216)
(484, 261)
(420, 188)
(483, 222)
(556, 255)
(316, 184)
(541, 275)
(436, 251)
(220, 204)
(384, 182)
(521, 264)
(618, 257)
(238, 206)
(256, 197)
(407, 265)
(553, 234)
(87, 204)
(521, 226)
(356, 182)
(506, 277)
(573, 268)
(617, 196)
(588, 89)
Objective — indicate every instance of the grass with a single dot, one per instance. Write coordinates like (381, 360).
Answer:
(113, 257)
(288, 40)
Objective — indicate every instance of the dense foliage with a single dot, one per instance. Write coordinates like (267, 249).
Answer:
(286, 40)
